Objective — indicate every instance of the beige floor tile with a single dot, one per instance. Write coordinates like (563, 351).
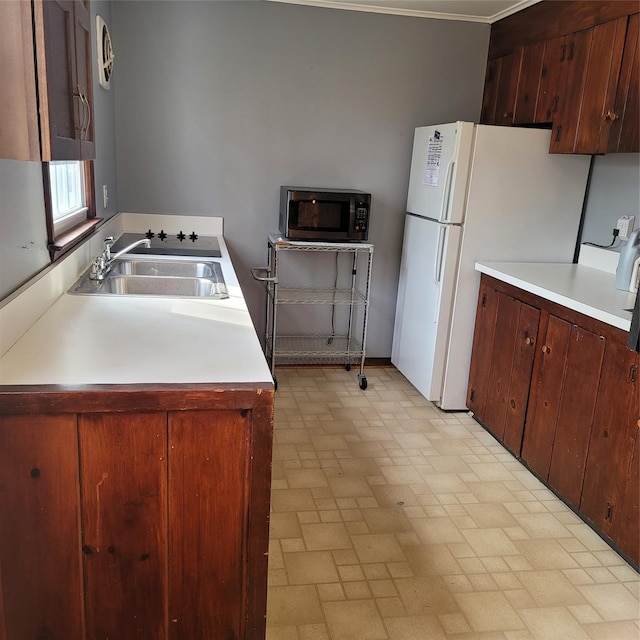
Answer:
(415, 628)
(611, 601)
(354, 620)
(293, 605)
(392, 520)
(488, 611)
(550, 588)
(310, 567)
(325, 535)
(553, 622)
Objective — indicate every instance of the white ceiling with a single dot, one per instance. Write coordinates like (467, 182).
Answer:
(468, 10)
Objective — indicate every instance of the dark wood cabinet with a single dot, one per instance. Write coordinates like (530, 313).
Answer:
(610, 490)
(549, 87)
(529, 80)
(62, 31)
(501, 364)
(124, 510)
(40, 543)
(561, 392)
(572, 65)
(624, 135)
(588, 89)
(135, 513)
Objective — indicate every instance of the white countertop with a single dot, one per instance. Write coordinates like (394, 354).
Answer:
(93, 339)
(584, 289)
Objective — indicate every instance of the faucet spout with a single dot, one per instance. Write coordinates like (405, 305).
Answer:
(102, 264)
(145, 241)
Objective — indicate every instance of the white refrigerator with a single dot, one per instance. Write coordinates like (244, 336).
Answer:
(476, 192)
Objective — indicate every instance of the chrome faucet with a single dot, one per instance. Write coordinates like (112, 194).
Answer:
(102, 264)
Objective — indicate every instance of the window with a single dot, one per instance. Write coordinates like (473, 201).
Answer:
(68, 199)
(68, 187)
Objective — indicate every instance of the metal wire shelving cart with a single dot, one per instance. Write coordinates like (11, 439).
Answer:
(347, 347)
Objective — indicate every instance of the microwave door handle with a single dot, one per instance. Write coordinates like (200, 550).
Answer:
(446, 196)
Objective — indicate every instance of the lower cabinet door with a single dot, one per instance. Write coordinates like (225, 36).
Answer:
(208, 493)
(611, 486)
(546, 393)
(575, 414)
(124, 522)
(511, 366)
(40, 556)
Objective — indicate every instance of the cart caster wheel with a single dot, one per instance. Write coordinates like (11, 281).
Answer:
(363, 382)
(347, 367)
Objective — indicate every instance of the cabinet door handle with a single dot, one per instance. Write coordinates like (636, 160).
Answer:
(558, 131)
(546, 349)
(86, 129)
(528, 340)
(570, 56)
(612, 116)
(633, 374)
(563, 49)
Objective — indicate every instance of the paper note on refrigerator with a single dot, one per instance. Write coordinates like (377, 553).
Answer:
(434, 153)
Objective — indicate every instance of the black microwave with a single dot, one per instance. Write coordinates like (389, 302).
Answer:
(334, 215)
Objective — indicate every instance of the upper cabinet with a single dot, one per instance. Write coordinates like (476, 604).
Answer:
(63, 50)
(572, 66)
(46, 107)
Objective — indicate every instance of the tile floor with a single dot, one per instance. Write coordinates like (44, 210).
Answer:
(392, 520)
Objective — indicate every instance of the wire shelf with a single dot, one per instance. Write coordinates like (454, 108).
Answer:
(300, 295)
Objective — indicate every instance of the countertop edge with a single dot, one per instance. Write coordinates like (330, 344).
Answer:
(532, 284)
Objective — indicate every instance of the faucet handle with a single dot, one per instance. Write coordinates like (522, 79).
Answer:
(108, 243)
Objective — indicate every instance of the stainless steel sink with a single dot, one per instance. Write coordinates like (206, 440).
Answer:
(157, 277)
(163, 286)
(181, 268)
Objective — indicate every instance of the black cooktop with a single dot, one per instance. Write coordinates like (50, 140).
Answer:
(164, 244)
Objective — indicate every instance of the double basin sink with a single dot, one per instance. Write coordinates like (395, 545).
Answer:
(156, 276)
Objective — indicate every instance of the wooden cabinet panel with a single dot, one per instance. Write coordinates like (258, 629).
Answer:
(529, 83)
(490, 95)
(544, 404)
(555, 52)
(19, 138)
(587, 94)
(508, 87)
(482, 350)
(501, 86)
(501, 364)
(124, 515)
(624, 136)
(625, 522)
(208, 484)
(575, 415)
(40, 554)
(525, 350)
(610, 489)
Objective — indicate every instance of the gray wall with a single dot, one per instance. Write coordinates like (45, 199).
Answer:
(104, 166)
(220, 103)
(23, 231)
(614, 192)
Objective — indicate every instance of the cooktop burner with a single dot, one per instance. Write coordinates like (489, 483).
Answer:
(164, 244)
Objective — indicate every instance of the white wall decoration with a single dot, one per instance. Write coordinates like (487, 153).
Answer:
(105, 53)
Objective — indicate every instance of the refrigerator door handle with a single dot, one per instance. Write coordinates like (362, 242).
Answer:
(446, 200)
(437, 263)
